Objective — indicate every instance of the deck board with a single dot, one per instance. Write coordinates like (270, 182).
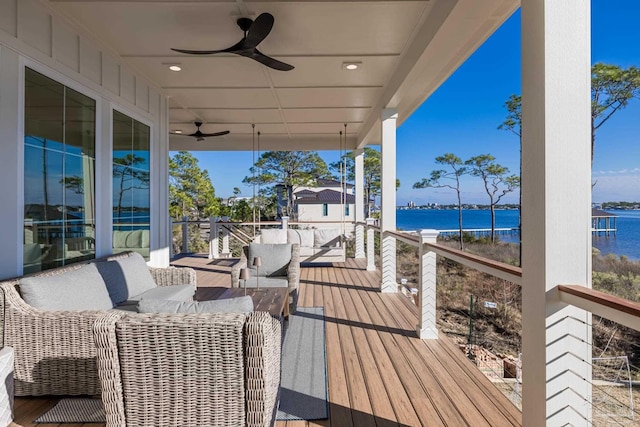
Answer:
(379, 373)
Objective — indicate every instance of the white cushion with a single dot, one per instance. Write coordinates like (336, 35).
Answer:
(302, 237)
(329, 237)
(79, 289)
(273, 235)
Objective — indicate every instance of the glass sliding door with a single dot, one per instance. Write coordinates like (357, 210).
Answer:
(59, 174)
(131, 191)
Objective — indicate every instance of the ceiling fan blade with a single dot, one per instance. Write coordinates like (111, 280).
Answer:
(224, 132)
(176, 133)
(198, 52)
(268, 61)
(259, 30)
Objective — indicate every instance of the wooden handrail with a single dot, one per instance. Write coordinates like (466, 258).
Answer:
(410, 239)
(604, 305)
(485, 265)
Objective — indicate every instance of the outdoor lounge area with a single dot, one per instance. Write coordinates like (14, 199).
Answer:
(95, 95)
(379, 372)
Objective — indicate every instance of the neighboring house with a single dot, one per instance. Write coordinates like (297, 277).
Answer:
(322, 202)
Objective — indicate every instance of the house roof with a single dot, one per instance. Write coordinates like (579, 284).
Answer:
(323, 182)
(326, 196)
(405, 50)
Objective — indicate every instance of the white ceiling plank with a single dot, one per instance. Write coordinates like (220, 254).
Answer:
(221, 98)
(328, 97)
(406, 50)
(337, 115)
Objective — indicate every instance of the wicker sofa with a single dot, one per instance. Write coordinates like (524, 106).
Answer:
(190, 370)
(55, 353)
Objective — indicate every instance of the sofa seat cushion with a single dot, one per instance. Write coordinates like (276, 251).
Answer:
(126, 277)
(306, 251)
(174, 292)
(232, 305)
(275, 259)
(266, 282)
(79, 289)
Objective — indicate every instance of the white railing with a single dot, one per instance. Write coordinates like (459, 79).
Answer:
(599, 303)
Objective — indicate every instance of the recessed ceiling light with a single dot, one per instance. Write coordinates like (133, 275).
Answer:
(177, 131)
(175, 67)
(351, 65)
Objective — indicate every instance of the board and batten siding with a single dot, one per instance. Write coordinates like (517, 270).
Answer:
(33, 34)
(313, 212)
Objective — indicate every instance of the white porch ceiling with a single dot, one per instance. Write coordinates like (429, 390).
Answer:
(406, 50)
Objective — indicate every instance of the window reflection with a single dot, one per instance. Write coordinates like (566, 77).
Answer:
(131, 189)
(59, 177)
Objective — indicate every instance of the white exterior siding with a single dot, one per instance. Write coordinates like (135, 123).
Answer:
(33, 35)
(313, 212)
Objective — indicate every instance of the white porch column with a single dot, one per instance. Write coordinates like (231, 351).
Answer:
(285, 222)
(214, 245)
(556, 201)
(359, 196)
(427, 328)
(226, 252)
(371, 252)
(388, 200)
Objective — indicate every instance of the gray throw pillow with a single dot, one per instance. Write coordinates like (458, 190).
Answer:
(275, 259)
(80, 289)
(231, 305)
(126, 277)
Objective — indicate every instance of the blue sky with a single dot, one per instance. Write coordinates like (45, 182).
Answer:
(462, 117)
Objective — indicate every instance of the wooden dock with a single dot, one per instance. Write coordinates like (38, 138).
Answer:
(379, 372)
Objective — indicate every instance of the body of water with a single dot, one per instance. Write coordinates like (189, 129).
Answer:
(625, 242)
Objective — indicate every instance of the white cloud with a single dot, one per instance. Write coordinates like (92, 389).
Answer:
(634, 171)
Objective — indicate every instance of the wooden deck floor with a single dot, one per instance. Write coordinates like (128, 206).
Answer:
(379, 372)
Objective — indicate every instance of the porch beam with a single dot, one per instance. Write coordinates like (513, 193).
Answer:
(388, 200)
(556, 210)
(359, 205)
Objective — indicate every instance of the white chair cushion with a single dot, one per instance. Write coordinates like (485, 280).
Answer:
(273, 235)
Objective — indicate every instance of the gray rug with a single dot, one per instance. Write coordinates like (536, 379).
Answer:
(74, 410)
(303, 388)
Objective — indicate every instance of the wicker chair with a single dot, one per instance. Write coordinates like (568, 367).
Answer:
(189, 369)
(54, 350)
(292, 275)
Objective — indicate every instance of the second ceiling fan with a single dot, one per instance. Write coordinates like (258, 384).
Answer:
(254, 33)
(199, 135)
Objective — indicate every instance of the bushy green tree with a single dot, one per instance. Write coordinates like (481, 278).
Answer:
(191, 192)
(290, 169)
(612, 87)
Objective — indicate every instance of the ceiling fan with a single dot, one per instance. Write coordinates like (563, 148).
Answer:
(254, 33)
(198, 135)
